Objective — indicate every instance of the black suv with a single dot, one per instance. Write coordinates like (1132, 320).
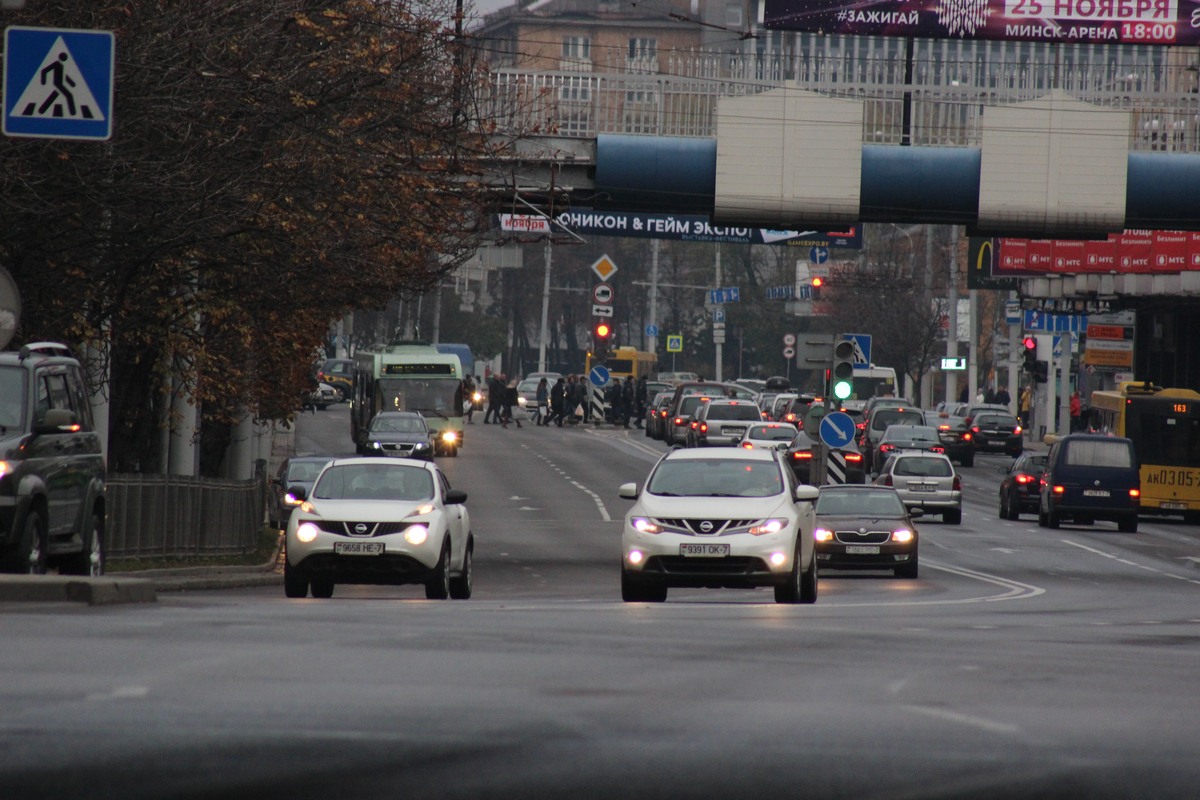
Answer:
(51, 465)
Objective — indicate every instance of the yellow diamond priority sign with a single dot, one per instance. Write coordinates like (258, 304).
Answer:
(604, 268)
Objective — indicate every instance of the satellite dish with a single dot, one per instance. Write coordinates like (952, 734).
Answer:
(10, 307)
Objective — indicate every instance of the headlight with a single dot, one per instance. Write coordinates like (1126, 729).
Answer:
(902, 535)
(449, 436)
(5, 468)
(823, 535)
(375, 445)
(422, 446)
(477, 397)
(522, 402)
(307, 532)
(643, 525)
(416, 534)
(769, 526)
(290, 500)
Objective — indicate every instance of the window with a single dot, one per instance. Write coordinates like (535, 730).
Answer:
(577, 47)
(733, 15)
(643, 48)
(1099, 454)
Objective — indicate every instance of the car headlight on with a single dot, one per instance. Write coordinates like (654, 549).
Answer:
(375, 445)
(290, 500)
(449, 436)
(416, 534)
(769, 526)
(422, 446)
(477, 397)
(5, 468)
(902, 535)
(307, 532)
(823, 535)
(643, 525)
(522, 402)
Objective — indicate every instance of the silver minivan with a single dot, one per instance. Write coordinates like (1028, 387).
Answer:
(926, 481)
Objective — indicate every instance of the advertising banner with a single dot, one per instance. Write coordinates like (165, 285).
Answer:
(1133, 251)
(698, 228)
(1154, 22)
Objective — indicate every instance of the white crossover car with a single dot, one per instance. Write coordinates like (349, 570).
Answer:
(728, 518)
(379, 521)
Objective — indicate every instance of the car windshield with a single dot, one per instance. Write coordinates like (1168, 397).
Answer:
(775, 433)
(12, 397)
(716, 477)
(996, 421)
(740, 411)
(374, 482)
(860, 503)
(923, 467)
(688, 405)
(1097, 453)
(884, 417)
(390, 424)
(304, 470)
(528, 386)
(911, 434)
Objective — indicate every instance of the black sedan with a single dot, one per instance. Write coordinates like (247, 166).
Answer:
(294, 471)
(399, 434)
(866, 527)
(998, 432)
(799, 456)
(1020, 486)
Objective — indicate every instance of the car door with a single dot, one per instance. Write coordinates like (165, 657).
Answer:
(457, 522)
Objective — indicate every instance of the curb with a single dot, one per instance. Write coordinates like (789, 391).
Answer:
(101, 591)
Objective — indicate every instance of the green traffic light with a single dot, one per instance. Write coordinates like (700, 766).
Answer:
(842, 390)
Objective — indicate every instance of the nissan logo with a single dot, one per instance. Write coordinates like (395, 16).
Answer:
(706, 527)
(360, 528)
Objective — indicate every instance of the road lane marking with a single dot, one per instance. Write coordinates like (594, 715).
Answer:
(595, 497)
(1127, 562)
(982, 723)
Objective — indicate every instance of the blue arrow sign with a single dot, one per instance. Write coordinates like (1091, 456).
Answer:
(599, 376)
(837, 429)
(58, 83)
(652, 329)
(818, 255)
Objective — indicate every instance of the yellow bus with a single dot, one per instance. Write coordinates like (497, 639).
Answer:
(625, 362)
(1164, 425)
(409, 376)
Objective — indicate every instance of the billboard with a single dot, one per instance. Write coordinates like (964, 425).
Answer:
(1162, 22)
(1132, 251)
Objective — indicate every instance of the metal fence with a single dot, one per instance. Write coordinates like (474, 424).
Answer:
(171, 516)
(951, 85)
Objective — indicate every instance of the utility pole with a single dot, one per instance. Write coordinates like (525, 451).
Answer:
(717, 346)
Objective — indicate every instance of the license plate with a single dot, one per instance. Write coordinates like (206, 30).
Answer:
(358, 548)
(1173, 506)
(862, 549)
(704, 550)
(921, 487)
(733, 431)
(1095, 492)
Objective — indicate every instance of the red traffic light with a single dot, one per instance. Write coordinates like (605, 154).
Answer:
(1030, 343)
(818, 283)
(602, 330)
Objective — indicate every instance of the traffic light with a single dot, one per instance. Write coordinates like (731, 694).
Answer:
(1041, 371)
(600, 336)
(1030, 354)
(814, 290)
(842, 371)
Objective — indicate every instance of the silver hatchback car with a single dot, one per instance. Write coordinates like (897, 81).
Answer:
(926, 481)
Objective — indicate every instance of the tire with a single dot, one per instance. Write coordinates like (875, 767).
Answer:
(635, 590)
(1003, 513)
(907, 571)
(461, 586)
(90, 559)
(952, 517)
(1052, 520)
(809, 583)
(1128, 525)
(30, 556)
(322, 588)
(1042, 520)
(801, 586)
(438, 585)
(295, 582)
(454, 451)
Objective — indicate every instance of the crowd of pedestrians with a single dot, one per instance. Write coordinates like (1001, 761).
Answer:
(568, 400)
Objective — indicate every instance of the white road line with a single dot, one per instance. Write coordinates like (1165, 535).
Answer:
(982, 723)
(595, 497)
(1127, 562)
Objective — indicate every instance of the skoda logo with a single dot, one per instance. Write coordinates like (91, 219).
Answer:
(706, 526)
(360, 528)
(862, 531)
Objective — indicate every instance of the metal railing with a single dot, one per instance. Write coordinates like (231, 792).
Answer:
(952, 85)
(171, 516)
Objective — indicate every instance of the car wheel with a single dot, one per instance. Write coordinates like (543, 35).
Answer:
(1052, 519)
(953, 517)
(460, 587)
(1041, 519)
(1003, 512)
(1128, 525)
(30, 556)
(907, 571)
(635, 590)
(341, 393)
(438, 585)
(808, 583)
(322, 588)
(454, 451)
(90, 559)
(295, 582)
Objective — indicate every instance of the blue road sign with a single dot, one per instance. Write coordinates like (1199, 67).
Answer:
(599, 376)
(837, 429)
(675, 343)
(818, 255)
(58, 83)
(862, 348)
(652, 329)
(718, 315)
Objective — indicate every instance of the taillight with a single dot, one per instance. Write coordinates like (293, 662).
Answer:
(966, 436)
(957, 484)
(937, 448)
(853, 457)
(1017, 431)
(975, 428)
(801, 455)
(1135, 493)
(703, 427)
(886, 448)
(679, 420)
(1024, 478)
(1059, 489)
(747, 445)
(887, 480)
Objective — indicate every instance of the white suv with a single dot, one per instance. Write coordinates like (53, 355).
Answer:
(730, 518)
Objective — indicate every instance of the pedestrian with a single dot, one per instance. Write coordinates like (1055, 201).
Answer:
(558, 396)
(469, 394)
(509, 399)
(613, 397)
(495, 398)
(643, 400)
(1076, 408)
(1003, 397)
(543, 402)
(628, 399)
(1024, 403)
(581, 399)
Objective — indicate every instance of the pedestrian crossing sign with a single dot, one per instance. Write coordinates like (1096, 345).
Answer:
(58, 83)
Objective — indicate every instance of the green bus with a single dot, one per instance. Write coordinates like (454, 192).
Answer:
(409, 376)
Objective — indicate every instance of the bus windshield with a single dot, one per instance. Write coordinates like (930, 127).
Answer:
(1161, 436)
(439, 396)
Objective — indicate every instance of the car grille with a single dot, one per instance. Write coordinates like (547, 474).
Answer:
(697, 525)
(854, 537)
(350, 528)
(397, 449)
(679, 565)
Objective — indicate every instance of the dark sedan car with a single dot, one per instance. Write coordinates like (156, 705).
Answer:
(399, 434)
(866, 527)
(799, 456)
(997, 432)
(955, 435)
(1020, 486)
(294, 471)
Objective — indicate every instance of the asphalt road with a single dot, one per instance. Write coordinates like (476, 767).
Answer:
(1024, 662)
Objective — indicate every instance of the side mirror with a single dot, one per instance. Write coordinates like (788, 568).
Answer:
(806, 493)
(916, 512)
(455, 497)
(58, 420)
(298, 493)
(629, 491)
